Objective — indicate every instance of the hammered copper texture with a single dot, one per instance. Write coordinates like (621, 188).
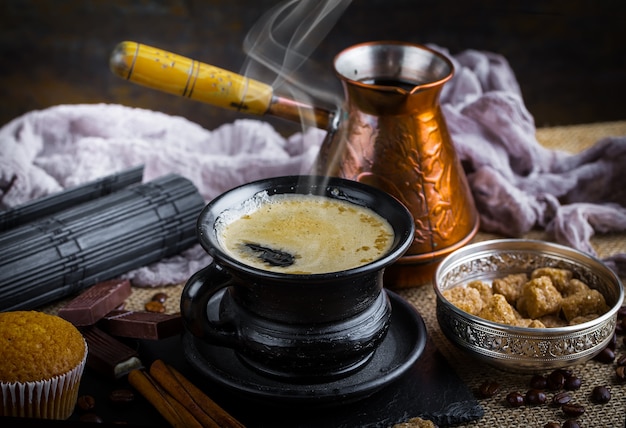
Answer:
(398, 141)
(412, 157)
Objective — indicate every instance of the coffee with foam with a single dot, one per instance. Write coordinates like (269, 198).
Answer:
(303, 234)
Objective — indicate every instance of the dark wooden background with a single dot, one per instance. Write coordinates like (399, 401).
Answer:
(569, 56)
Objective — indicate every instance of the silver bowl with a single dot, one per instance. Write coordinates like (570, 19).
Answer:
(524, 349)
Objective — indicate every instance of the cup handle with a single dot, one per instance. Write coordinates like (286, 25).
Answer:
(195, 297)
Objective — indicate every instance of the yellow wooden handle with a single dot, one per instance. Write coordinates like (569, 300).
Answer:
(175, 74)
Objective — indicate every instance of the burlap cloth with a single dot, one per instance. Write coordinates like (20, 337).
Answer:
(497, 412)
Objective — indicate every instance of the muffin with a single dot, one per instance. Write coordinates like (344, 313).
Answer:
(41, 363)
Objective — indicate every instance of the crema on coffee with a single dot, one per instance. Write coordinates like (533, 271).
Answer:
(303, 234)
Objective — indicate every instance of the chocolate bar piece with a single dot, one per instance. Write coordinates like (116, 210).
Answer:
(107, 355)
(95, 302)
(142, 324)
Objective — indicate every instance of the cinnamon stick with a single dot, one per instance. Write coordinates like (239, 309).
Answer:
(140, 381)
(174, 412)
(181, 386)
(161, 373)
(221, 416)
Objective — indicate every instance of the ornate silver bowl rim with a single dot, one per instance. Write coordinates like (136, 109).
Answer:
(524, 348)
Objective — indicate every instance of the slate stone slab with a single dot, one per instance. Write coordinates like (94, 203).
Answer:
(429, 389)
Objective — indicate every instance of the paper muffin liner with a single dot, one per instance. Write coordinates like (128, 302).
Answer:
(53, 398)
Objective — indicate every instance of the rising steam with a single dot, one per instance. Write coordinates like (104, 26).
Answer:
(281, 42)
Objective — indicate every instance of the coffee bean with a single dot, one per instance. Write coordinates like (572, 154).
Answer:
(556, 380)
(572, 383)
(572, 409)
(122, 396)
(86, 403)
(601, 394)
(566, 372)
(552, 425)
(607, 355)
(488, 389)
(91, 417)
(160, 297)
(515, 399)
(535, 397)
(538, 382)
(621, 312)
(154, 306)
(621, 361)
(561, 398)
(570, 423)
(620, 373)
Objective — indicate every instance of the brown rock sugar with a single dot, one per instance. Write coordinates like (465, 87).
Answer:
(548, 297)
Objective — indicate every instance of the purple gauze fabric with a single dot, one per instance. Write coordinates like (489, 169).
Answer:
(46, 151)
(517, 184)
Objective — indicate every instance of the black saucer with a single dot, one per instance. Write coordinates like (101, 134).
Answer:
(404, 343)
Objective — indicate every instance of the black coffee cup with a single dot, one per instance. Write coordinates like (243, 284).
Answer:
(298, 327)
